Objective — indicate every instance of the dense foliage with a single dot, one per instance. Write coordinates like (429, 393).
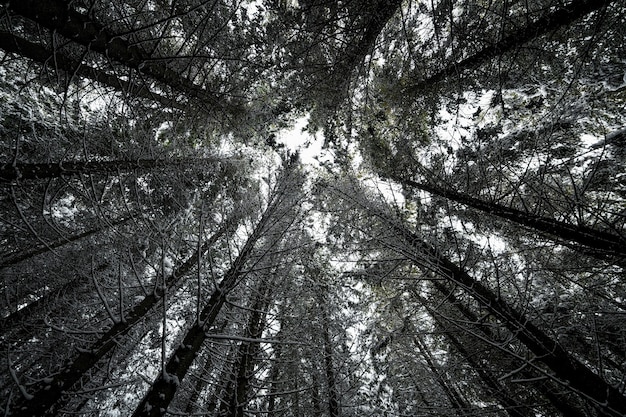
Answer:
(313, 208)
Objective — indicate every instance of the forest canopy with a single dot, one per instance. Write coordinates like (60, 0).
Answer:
(294, 208)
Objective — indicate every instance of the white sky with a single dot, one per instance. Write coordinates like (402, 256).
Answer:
(309, 145)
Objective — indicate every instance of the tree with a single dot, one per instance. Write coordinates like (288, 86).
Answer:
(549, 352)
(50, 391)
(56, 16)
(596, 242)
(14, 44)
(456, 247)
(163, 390)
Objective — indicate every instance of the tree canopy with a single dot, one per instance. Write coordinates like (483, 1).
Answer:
(313, 208)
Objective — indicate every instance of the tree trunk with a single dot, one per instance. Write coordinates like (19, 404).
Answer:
(48, 393)
(162, 392)
(339, 79)
(59, 16)
(274, 377)
(559, 18)
(590, 241)
(491, 382)
(567, 369)
(329, 367)
(248, 352)
(18, 257)
(201, 383)
(53, 59)
(25, 171)
(457, 401)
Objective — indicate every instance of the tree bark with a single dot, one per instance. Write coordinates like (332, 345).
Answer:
(492, 383)
(565, 368)
(162, 392)
(460, 405)
(248, 352)
(59, 16)
(339, 79)
(334, 409)
(26, 171)
(18, 257)
(590, 241)
(559, 18)
(53, 59)
(49, 393)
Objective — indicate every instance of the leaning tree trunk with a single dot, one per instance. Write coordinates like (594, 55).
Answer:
(48, 393)
(559, 18)
(565, 368)
(329, 367)
(248, 352)
(492, 383)
(205, 370)
(17, 257)
(24, 171)
(59, 16)
(590, 241)
(459, 404)
(162, 392)
(378, 14)
(60, 62)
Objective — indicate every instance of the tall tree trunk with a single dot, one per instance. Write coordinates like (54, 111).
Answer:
(57, 61)
(25, 171)
(48, 393)
(460, 405)
(491, 382)
(378, 14)
(222, 385)
(248, 352)
(559, 18)
(274, 376)
(329, 367)
(162, 392)
(18, 257)
(201, 383)
(18, 318)
(493, 386)
(566, 368)
(60, 16)
(591, 241)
